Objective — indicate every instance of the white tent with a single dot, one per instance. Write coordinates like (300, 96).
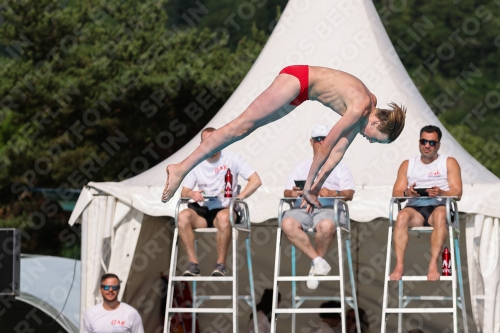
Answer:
(50, 286)
(346, 35)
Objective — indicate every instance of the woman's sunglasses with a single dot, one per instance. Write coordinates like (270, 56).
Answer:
(432, 143)
(319, 138)
(107, 287)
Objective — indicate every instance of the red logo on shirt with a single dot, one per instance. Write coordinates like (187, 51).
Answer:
(118, 322)
(221, 168)
(434, 173)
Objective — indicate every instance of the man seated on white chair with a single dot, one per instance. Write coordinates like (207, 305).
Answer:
(339, 183)
(441, 175)
(209, 175)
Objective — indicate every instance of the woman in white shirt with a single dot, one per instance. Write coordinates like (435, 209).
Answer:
(264, 311)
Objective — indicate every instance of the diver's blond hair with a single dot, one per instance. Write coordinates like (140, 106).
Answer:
(392, 121)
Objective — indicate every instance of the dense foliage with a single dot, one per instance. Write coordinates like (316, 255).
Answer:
(451, 51)
(103, 90)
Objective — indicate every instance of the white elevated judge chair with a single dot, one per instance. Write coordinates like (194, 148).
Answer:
(198, 300)
(343, 232)
(452, 223)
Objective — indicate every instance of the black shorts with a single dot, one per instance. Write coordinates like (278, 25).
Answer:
(426, 212)
(209, 214)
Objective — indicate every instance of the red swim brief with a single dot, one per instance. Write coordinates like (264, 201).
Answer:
(301, 72)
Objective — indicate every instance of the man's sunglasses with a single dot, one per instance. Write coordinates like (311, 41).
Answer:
(319, 138)
(107, 287)
(432, 143)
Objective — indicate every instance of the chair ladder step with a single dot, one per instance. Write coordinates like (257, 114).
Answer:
(419, 310)
(322, 298)
(308, 278)
(203, 278)
(200, 310)
(421, 278)
(309, 310)
(430, 298)
(221, 297)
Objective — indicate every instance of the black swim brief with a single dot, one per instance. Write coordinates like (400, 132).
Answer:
(426, 212)
(209, 214)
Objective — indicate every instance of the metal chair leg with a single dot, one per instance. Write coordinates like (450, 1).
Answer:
(170, 284)
(195, 284)
(386, 282)
(276, 273)
(342, 282)
(451, 233)
(353, 284)
(235, 281)
(400, 305)
(250, 281)
(461, 284)
(294, 287)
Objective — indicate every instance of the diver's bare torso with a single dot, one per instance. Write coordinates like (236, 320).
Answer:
(340, 91)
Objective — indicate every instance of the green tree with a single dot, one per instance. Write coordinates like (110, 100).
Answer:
(96, 85)
(95, 91)
(450, 49)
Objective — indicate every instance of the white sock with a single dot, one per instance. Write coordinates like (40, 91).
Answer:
(316, 260)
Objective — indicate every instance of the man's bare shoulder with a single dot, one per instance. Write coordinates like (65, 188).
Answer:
(452, 162)
(404, 164)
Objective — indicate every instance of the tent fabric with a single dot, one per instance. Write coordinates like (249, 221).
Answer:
(346, 35)
(107, 244)
(483, 237)
(150, 262)
(46, 282)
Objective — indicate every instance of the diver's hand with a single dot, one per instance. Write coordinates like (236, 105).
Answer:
(310, 201)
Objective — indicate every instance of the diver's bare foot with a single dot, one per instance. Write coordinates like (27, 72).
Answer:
(433, 274)
(397, 273)
(173, 183)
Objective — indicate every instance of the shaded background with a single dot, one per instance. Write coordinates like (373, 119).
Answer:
(100, 65)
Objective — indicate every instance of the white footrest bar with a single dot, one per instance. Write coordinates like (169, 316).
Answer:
(220, 297)
(419, 310)
(308, 278)
(307, 310)
(200, 310)
(320, 298)
(421, 278)
(429, 298)
(203, 278)
(420, 229)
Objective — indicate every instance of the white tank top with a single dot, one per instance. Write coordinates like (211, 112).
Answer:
(427, 175)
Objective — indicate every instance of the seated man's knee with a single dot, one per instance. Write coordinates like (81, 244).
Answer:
(403, 219)
(289, 225)
(222, 220)
(438, 217)
(185, 218)
(325, 227)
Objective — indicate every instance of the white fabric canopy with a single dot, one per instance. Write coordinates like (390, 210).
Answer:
(52, 284)
(346, 35)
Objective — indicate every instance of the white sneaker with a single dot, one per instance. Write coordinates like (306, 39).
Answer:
(320, 268)
(312, 284)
